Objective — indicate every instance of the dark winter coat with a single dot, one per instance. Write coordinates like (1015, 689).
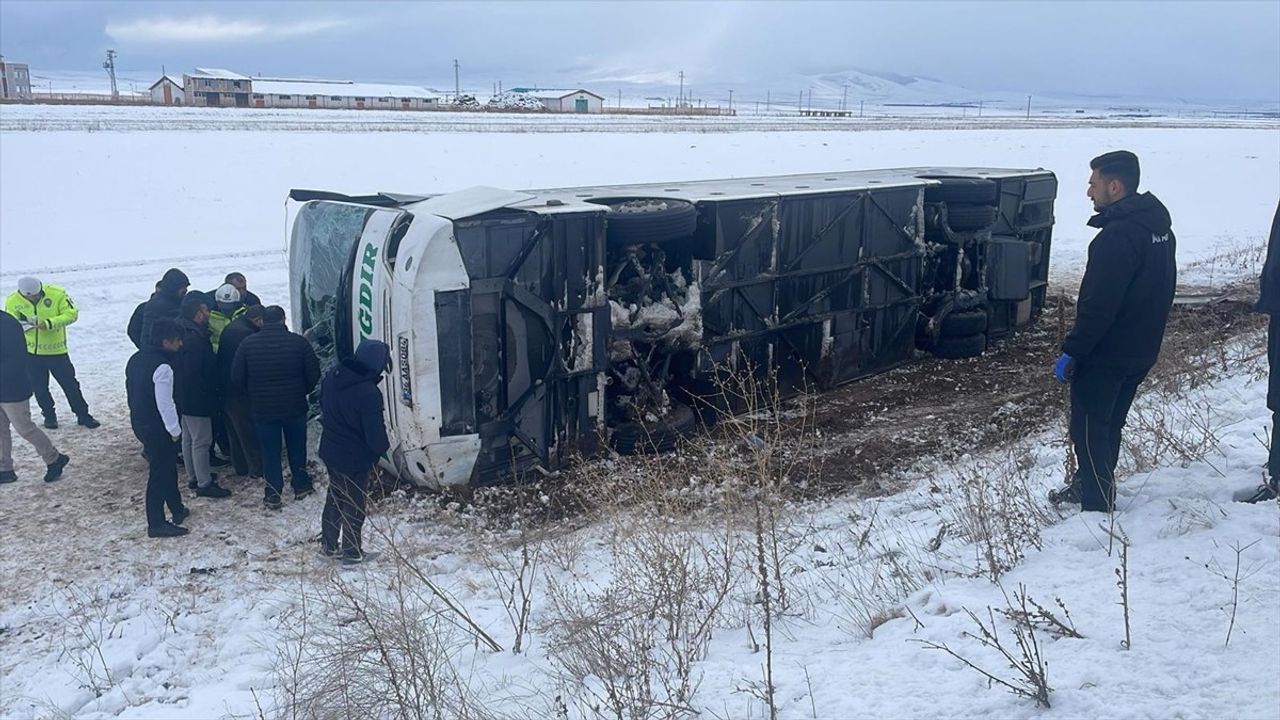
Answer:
(1127, 288)
(353, 435)
(161, 305)
(135, 324)
(15, 385)
(232, 336)
(195, 374)
(276, 369)
(1269, 283)
(140, 390)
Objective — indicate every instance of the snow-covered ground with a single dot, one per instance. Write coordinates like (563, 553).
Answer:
(98, 621)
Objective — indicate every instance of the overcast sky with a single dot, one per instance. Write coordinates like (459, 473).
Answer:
(1194, 50)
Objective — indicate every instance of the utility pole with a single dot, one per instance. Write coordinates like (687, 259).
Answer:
(800, 103)
(860, 107)
(619, 98)
(110, 67)
(768, 101)
(811, 99)
(731, 101)
(1028, 107)
(457, 88)
(979, 108)
(845, 98)
(681, 101)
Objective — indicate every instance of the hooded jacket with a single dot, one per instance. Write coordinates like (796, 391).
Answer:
(15, 385)
(134, 330)
(353, 434)
(1269, 283)
(1128, 286)
(165, 303)
(53, 308)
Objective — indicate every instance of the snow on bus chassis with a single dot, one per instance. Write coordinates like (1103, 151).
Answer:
(528, 327)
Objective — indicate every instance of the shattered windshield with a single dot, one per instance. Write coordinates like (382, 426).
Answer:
(324, 238)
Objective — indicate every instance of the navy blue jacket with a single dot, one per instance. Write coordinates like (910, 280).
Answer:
(353, 435)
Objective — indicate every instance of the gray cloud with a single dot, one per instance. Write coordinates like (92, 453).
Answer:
(1193, 50)
(211, 28)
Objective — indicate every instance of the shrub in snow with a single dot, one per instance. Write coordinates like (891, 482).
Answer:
(515, 101)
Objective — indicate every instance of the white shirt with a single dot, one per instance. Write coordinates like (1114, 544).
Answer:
(162, 378)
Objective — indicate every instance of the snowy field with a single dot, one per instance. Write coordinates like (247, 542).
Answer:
(98, 621)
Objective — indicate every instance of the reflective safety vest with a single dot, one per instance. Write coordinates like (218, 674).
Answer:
(55, 309)
(219, 322)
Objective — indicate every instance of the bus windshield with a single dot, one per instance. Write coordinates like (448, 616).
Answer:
(324, 239)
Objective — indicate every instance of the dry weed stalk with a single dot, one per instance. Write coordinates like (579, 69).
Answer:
(1031, 678)
(383, 642)
(994, 505)
(1234, 578)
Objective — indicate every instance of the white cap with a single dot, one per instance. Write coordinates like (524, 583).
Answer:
(227, 294)
(29, 286)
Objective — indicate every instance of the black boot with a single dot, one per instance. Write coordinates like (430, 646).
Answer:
(51, 422)
(54, 470)
(8, 476)
(1263, 493)
(87, 421)
(213, 490)
(165, 530)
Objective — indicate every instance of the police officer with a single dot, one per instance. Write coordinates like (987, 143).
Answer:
(45, 311)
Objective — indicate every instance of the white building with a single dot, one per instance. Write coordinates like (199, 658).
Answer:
(295, 93)
(566, 101)
(15, 80)
(167, 91)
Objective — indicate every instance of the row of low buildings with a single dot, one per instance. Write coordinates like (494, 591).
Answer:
(215, 87)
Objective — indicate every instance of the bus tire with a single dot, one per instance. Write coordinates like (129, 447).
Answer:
(958, 348)
(640, 220)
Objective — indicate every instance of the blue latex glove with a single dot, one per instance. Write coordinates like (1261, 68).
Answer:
(1065, 368)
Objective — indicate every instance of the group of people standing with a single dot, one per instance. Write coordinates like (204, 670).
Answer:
(220, 363)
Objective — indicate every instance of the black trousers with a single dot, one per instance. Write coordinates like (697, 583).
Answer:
(162, 476)
(344, 511)
(1273, 395)
(1100, 402)
(40, 367)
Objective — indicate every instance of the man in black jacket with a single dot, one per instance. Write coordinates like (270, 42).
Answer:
(154, 417)
(15, 405)
(134, 330)
(352, 439)
(165, 302)
(1124, 303)
(195, 391)
(246, 455)
(1269, 303)
(276, 369)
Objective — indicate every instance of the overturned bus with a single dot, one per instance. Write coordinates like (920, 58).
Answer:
(530, 327)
